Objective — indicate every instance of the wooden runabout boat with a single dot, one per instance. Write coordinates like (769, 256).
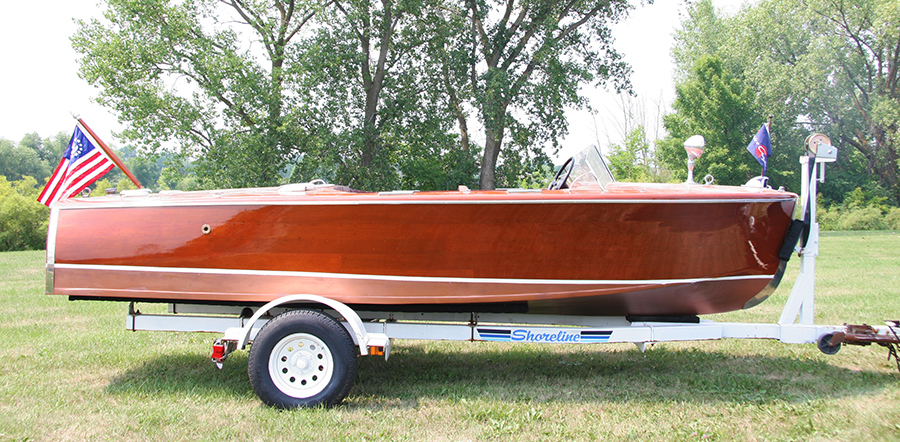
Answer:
(587, 246)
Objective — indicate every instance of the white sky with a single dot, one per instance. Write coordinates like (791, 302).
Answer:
(39, 84)
(40, 88)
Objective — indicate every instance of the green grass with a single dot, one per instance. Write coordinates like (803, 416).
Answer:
(70, 371)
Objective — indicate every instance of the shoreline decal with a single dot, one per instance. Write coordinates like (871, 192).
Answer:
(565, 336)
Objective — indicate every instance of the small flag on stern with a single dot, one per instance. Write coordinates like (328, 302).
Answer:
(761, 147)
(82, 164)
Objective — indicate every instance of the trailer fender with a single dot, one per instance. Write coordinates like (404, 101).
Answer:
(241, 335)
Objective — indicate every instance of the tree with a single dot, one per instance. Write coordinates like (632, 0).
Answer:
(714, 98)
(529, 58)
(18, 161)
(789, 75)
(145, 167)
(634, 160)
(23, 220)
(34, 143)
(703, 32)
(373, 104)
(826, 66)
(366, 92)
(712, 103)
(374, 25)
(53, 148)
(858, 46)
(445, 158)
(180, 75)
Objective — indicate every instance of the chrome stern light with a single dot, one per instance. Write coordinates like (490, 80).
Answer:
(694, 148)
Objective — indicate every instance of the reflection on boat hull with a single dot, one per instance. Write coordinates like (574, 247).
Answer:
(630, 250)
(605, 298)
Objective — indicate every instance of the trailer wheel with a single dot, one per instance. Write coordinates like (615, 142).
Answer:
(825, 346)
(302, 358)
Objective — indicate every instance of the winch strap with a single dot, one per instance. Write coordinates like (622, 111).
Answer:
(811, 165)
(796, 228)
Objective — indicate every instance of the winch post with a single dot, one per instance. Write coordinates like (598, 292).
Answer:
(801, 301)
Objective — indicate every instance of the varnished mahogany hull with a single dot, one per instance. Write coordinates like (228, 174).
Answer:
(554, 252)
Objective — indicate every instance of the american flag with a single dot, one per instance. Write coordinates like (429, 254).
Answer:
(82, 164)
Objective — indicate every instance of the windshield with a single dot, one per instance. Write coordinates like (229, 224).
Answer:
(590, 170)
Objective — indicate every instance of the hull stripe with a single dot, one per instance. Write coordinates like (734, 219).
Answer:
(120, 268)
(263, 201)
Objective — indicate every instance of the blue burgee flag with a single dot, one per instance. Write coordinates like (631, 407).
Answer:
(761, 147)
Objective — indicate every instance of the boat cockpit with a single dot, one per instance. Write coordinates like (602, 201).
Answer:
(586, 169)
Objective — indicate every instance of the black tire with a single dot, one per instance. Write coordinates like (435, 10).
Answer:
(302, 358)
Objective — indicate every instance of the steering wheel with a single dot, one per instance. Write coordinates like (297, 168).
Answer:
(564, 171)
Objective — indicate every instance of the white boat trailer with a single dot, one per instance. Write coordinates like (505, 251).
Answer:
(306, 356)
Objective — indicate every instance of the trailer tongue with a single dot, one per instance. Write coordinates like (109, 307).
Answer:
(864, 335)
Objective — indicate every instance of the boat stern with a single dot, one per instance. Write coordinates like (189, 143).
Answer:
(49, 267)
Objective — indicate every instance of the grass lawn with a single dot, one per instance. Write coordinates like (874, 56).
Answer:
(70, 371)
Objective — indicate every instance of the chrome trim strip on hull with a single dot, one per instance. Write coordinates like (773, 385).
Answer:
(427, 279)
(770, 287)
(413, 201)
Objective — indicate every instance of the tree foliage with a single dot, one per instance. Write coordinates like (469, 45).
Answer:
(634, 160)
(713, 98)
(182, 73)
(825, 66)
(373, 83)
(712, 103)
(370, 93)
(530, 58)
(23, 220)
(858, 93)
(32, 156)
(17, 161)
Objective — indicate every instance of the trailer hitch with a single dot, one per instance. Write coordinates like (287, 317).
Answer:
(864, 335)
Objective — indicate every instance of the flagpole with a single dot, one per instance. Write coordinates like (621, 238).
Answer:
(110, 153)
(769, 129)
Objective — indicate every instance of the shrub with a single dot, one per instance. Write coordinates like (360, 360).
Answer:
(23, 220)
(863, 218)
(892, 219)
(100, 187)
(859, 211)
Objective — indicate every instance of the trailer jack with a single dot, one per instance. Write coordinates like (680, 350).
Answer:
(864, 335)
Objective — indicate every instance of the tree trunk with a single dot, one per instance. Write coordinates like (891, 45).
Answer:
(493, 141)
(374, 83)
(370, 129)
(456, 107)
